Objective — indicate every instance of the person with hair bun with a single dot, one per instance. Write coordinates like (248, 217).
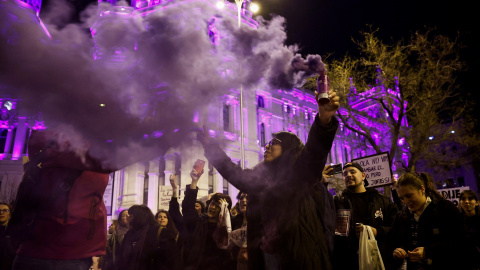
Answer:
(471, 221)
(428, 232)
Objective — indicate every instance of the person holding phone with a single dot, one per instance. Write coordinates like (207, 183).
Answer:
(290, 218)
(207, 233)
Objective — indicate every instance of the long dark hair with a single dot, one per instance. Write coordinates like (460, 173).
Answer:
(120, 222)
(417, 181)
(142, 215)
(170, 225)
(469, 193)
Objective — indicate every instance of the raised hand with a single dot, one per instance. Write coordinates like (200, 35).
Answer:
(326, 111)
(325, 173)
(173, 183)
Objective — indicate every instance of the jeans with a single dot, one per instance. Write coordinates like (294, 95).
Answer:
(27, 263)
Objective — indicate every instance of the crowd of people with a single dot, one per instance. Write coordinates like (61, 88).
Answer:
(285, 219)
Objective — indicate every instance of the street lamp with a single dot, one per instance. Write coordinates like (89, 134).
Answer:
(254, 7)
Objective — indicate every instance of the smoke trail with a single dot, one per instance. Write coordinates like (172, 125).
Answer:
(151, 73)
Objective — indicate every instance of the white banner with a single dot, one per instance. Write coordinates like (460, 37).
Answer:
(377, 169)
(453, 194)
(164, 196)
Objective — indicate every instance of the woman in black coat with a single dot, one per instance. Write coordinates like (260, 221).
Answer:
(146, 245)
(290, 213)
(427, 233)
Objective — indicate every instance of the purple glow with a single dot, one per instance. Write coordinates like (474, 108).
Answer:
(157, 134)
(196, 117)
(212, 133)
(230, 136)
(401, 141)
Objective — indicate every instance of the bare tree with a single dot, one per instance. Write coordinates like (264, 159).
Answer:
(408, 94)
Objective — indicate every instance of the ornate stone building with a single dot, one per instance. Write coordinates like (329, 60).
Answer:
(265, 112)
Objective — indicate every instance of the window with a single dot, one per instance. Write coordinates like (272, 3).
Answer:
(287, 109)
(262, 135)
(226, 117)
(14, 133)
(3, 139)
(260, 102)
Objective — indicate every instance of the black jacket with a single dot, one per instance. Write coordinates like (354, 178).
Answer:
(200, 251)
(287, 205)
(380, 215)
(440, 232)
(145, 249)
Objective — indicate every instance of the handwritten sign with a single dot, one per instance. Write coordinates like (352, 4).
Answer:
(377, 169)
(165, 195)
(453, 194)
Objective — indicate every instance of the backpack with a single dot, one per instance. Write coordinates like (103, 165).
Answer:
(29, 201)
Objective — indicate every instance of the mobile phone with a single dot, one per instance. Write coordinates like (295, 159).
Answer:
(337, 168)
(198, 166)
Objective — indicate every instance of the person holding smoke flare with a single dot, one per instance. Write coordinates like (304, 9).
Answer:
(291, 218)
(428, 232)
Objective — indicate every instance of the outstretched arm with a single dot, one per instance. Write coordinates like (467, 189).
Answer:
(320, 138)
(190, 215)
(174, 207)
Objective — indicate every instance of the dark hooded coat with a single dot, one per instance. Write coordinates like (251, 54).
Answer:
(290, 213)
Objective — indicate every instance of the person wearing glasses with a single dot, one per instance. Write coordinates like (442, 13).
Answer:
(290, 216)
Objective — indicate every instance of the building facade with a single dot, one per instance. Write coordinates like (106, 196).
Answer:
(265, 112)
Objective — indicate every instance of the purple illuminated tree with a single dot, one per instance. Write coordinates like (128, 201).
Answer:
(403, 94)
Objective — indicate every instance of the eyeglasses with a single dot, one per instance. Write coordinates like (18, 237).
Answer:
(273, 141)
(4, 210)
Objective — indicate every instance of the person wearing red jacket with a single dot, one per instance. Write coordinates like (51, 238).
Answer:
(71, 228)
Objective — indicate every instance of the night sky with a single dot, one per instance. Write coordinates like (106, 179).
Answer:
(328, 26)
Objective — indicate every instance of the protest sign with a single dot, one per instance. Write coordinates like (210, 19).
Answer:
(377, 169)
(164, 196)
(453, 194)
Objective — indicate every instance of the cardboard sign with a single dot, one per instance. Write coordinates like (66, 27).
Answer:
(377, 169)
(164, 195)
(453, 194)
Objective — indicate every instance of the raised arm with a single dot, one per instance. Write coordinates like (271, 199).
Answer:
(320, 138)
(174, 207)
(190, 215)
